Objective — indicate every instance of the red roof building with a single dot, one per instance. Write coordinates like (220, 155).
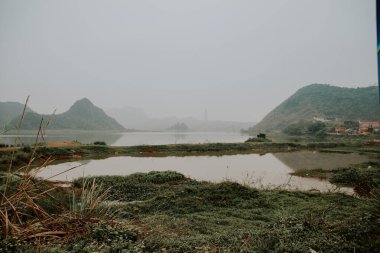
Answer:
(369, 124)
(340, 130)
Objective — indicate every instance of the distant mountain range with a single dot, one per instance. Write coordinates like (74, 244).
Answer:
(82, 115)
(9, 111)
(310, 102)
(135, 118)
(322, 101)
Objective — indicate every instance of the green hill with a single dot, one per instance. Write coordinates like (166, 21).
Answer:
(324, 101)
(82, 115)
(9, 111)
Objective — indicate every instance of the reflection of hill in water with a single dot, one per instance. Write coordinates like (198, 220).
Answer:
(313, 160)
(85, 137)
(91, 137)
(179, 137)
(84, 162)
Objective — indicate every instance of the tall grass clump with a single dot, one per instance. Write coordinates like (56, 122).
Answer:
(36, 211)
(90, 202)
(20, 204)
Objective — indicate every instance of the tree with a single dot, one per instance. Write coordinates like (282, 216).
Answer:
(294, 129)
(317, 129)
(351, 124)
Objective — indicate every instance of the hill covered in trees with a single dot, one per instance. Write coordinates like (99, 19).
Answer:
(82, 115)
(325, 102)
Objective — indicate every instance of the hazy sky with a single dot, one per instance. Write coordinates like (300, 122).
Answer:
(237, 58)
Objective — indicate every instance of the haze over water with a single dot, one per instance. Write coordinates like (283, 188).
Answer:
(129, 138)
(237, 59)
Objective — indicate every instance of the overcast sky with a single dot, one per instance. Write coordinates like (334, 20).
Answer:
(237, 58)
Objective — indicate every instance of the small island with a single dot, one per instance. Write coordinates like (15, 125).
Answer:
(179, 127)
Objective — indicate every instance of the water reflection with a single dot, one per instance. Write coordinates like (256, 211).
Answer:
(161, 138)
(127, 138)
(179, 137)
(263, 171)
(319, 160)
(85, 137)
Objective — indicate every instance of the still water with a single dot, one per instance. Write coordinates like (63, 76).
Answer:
(128, 138)
(270, 170)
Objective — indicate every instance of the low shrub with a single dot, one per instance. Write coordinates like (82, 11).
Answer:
(100, 143)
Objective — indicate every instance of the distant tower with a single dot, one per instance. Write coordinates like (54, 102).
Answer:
(206, 115)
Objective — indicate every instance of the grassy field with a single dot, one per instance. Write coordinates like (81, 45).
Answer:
(166, 212)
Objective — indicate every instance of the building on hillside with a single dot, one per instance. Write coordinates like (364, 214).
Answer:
(340, 130)
(352, 131)
(320, 119)
(369, 124)
(364, 131)
(368, 127)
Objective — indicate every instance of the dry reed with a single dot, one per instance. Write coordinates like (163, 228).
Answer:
(23, 195)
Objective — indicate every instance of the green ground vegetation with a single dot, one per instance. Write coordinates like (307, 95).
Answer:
(364, 178)
(167, 212)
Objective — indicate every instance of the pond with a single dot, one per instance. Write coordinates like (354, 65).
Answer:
(268, 171)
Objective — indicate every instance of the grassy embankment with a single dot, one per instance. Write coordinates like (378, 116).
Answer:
(166, 212)
(363, 178)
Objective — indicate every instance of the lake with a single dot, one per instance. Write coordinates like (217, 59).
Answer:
(269, 171)
(127, 138)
